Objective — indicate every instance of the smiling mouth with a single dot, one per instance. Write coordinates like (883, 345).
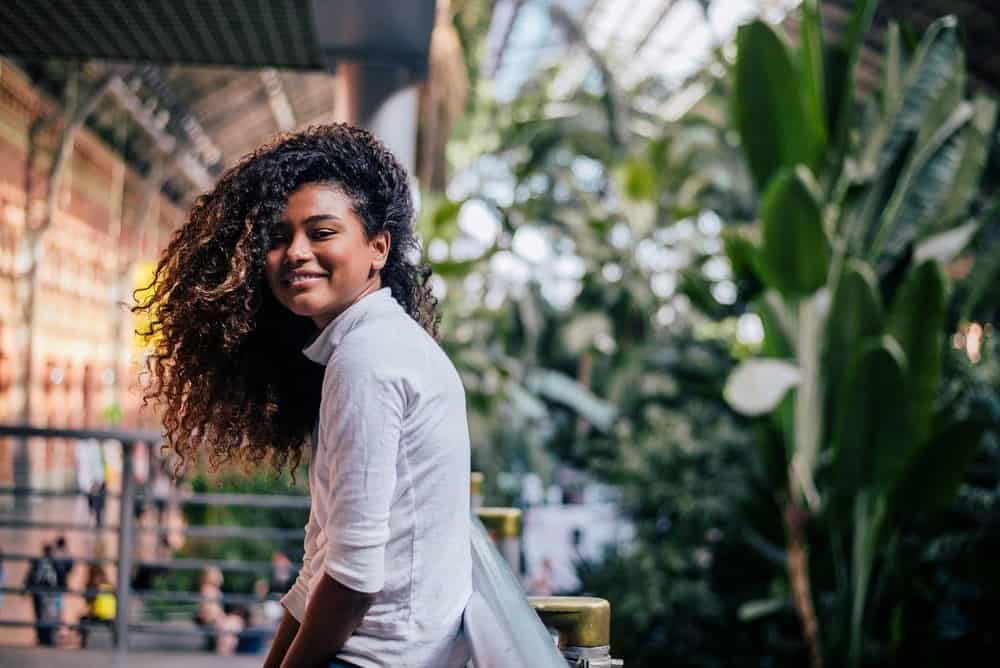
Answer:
(301, 279)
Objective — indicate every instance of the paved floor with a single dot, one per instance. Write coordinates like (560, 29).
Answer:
(38, 657)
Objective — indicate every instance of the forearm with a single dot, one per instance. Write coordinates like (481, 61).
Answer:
(333, 613)
(282, 640)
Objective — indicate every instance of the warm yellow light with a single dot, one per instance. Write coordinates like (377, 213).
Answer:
(142, 278)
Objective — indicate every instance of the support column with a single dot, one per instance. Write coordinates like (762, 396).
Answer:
(383, 100)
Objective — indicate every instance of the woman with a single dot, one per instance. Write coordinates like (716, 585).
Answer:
(308, 242)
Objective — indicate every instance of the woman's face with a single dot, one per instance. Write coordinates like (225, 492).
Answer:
(320, 259)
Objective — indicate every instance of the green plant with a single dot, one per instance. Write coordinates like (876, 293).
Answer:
(854, 230)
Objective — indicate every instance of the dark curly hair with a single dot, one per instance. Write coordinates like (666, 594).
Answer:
(227, 367)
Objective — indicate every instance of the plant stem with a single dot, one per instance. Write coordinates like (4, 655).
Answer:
(797, 565)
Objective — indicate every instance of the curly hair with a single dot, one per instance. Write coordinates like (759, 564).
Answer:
(227, 368)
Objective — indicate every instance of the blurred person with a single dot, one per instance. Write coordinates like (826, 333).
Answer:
(229, 627)
(64, 564)
(282, 572)
(161, 495)
(541, 583)
(210, 613)
(265, 611)
(42, 581)
(101, 604)
(95, 501)
(290, 304)
(3, 577)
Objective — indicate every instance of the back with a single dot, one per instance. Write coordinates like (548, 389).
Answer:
(393, 425)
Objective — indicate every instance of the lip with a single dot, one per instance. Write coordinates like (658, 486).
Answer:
(302, 279)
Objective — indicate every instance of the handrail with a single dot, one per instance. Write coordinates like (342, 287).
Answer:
(183, 498)
(501, 626)
(182, 564)
(27, 431)
(207, 531)
(143, 594)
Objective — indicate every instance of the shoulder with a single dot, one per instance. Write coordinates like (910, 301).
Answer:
(385, 343)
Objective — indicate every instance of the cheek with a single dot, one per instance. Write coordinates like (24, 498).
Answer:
(272, 268)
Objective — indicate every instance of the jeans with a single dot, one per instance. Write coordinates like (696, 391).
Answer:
(340, 664)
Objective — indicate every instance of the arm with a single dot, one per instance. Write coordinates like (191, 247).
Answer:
(295, 600)
(333, 614)
(360, 425)
(282, 641)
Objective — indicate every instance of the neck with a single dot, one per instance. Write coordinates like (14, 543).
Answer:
(371, 286)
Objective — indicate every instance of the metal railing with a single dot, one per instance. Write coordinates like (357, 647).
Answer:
(503, 626)
(126, 524)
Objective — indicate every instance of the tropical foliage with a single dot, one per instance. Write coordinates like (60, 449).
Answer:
(821, 503)
(850, 251)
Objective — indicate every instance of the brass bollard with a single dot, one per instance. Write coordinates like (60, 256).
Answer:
(476, 489)
(504, 526)
(584, 627)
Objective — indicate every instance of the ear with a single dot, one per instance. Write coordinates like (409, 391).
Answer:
(379, 245)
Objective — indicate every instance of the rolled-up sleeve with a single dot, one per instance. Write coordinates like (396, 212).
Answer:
(295, 600)
(361, 419)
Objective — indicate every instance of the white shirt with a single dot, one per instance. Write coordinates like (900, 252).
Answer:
(389, 482)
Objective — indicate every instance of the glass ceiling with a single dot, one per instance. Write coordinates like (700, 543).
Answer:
(657, 42)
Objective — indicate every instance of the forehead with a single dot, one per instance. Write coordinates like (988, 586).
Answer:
(313, 199)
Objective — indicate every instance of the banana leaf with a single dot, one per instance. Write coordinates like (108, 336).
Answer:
(935, 471)
(928, 75)
(562, 389)
(892, 66)
(916, 320)
(813, 71)
(841, 59)
(923, 188)
(766, 88)
(795, 251)
(979, 138)
(855, 318)
(872, 432)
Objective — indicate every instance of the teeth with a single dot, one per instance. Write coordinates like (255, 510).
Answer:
(299, 279)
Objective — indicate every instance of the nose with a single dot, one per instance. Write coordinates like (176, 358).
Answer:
(299, 249)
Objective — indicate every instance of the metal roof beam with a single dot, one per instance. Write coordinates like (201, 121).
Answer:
(277, 99)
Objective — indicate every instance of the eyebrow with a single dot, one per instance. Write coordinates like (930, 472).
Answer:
(315, 218)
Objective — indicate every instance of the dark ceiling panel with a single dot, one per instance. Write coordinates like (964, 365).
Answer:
(297, 34)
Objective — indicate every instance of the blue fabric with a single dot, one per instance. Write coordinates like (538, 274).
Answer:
(340, 664)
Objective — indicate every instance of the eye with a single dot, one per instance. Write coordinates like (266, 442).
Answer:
(323, 233)
(278, 237)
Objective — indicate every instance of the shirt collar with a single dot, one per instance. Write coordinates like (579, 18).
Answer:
(322, 347)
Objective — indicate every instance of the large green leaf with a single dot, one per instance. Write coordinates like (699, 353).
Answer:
(934, 472)
(795, 250)
(929, 74)
(892, 66)
(565, 390)
(923, 187)
(855, 317)
(916, 320)
(946, 246)
(813, 74)
(779, 335)
(841, 59)
(945, 101)
(872, 430)
(979, 138)
(982, 286)
(768, 106)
